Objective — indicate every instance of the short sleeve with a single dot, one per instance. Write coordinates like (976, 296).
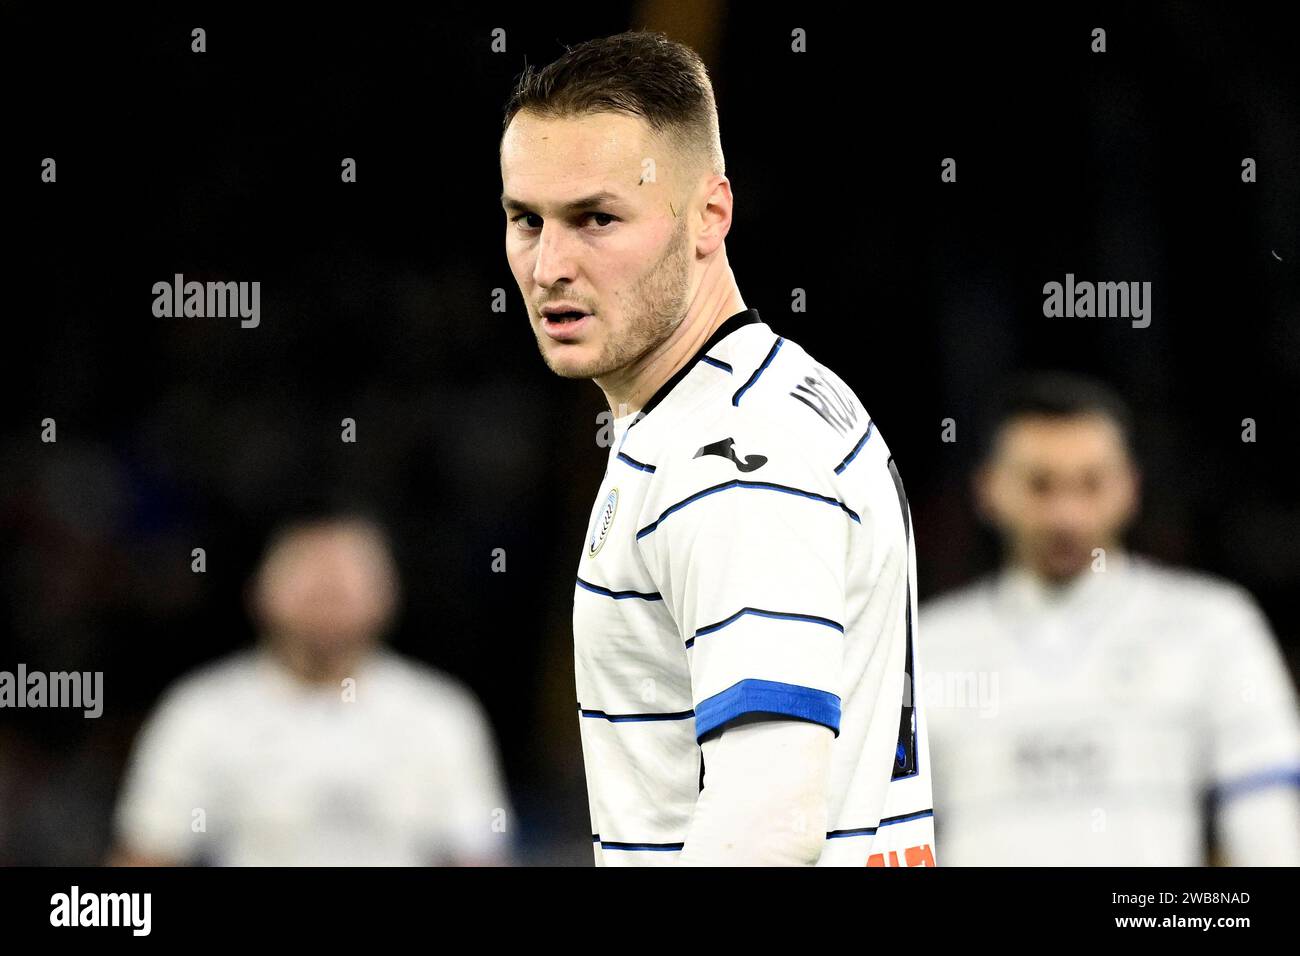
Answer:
(1254, 739)
(475, 821)
(749, 543)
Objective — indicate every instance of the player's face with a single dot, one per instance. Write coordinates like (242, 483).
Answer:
(326, 586)
(1056, 488)
(624, 260)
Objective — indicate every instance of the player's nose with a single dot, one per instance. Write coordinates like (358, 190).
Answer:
(555, 261)
(1069, 513)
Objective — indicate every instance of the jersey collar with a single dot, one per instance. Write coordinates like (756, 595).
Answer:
(1026, 592)
(739, 320)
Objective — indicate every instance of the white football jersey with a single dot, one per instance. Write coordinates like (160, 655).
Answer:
(1087, 726)
(243, 764)
(749, 551)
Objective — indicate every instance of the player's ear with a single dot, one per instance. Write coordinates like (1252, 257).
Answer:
(717, 206)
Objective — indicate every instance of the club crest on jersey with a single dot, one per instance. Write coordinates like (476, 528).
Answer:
(600, 530)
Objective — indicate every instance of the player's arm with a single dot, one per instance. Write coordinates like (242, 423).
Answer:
(474, 820)
(165, 784)
(1254, 743)
(753, 567)
(764, 796)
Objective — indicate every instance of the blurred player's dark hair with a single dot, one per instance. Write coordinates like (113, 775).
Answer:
(641, 73)
(316, 508)
(1053, 394)
(311, 510)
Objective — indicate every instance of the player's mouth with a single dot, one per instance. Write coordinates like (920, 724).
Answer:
(564, 324)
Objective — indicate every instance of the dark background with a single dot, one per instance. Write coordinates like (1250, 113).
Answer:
(376, 305)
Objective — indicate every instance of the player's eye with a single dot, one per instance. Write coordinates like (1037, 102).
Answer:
(603, 219)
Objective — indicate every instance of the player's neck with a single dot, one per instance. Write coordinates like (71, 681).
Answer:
(317, 667)
(628, 390)
(1113, 558)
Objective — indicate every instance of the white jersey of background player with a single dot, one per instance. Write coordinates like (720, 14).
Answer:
(1082, 705)
(744, 599)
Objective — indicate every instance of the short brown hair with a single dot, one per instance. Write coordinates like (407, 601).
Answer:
(1053, 394)
(641, 73)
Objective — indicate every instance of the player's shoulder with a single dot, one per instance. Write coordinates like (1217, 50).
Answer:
(415, 685)
(787, 416)
(212, 686)
(808, 401)
(1196, 596)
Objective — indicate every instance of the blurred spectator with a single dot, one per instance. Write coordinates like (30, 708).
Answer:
(1085, 702)
(319, 746)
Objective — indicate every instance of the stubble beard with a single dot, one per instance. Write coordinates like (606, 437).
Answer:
(659, 300)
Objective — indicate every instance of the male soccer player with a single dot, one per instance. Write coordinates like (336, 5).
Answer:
(319, 746)
(744, 603)
(1084, 700)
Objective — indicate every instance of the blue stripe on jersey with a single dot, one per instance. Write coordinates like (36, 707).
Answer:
(620, 595)
(620, 718)
(767, 697)
(741, 483)
(779, 615)
(886, 821)
(633, 462)
(716, 363)
(856, 448)
(735, 399)
(1261, 780)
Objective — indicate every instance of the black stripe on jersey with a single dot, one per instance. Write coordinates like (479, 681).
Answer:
(616, 718)
(907, 761)
(613, 845)
(748, 317)
(620, 595)
(902, 498)
(839, 469)
(633, 462)
(906, 755)
(884, 822)
(780, 615)
(740, 483)
(776, 346)
(716, 363)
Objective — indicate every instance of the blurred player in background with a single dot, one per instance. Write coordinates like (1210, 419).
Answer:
(318, 746)
(744, 600)
(1084, 701)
